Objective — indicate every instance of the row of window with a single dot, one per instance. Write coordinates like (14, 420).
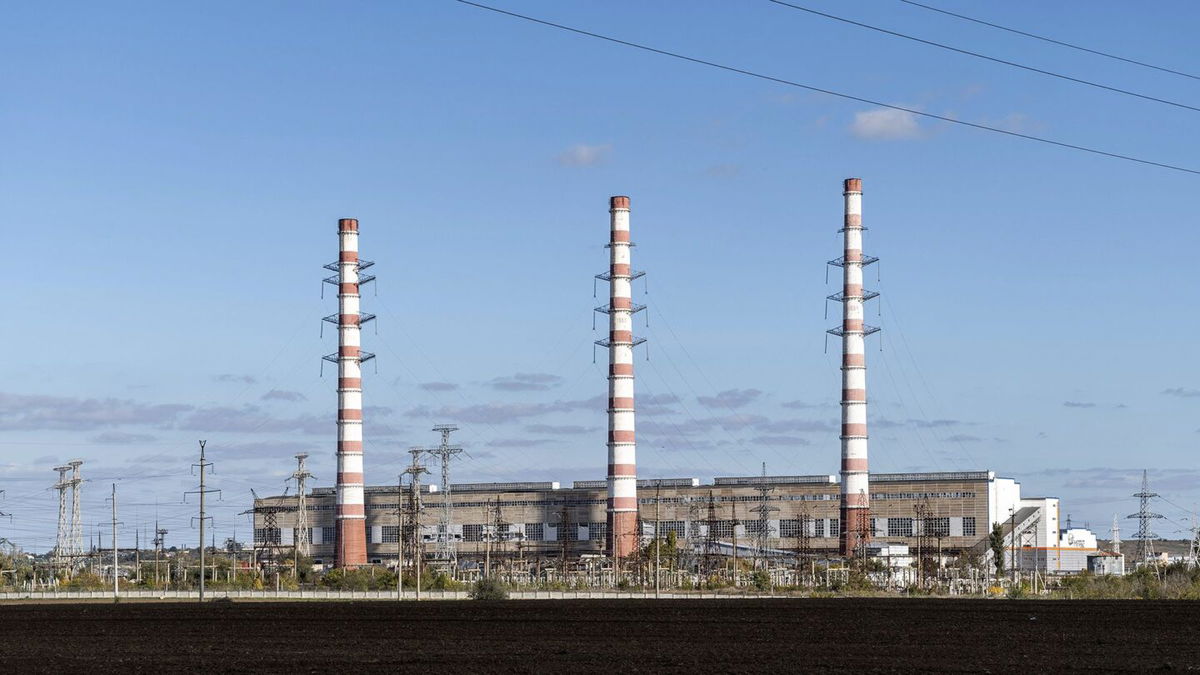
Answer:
(675, 500)
(789, 528)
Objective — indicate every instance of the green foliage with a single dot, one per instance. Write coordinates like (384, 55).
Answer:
(85, 581)
(996, 543)
(761, 580)
(667, 548)
(489, 588)
(360, 579)
(1173, 582)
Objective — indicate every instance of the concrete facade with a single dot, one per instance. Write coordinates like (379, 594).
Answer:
(533, 514)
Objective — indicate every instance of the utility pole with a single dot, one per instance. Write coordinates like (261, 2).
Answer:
(445, 452)
(1012, 541)
(803, 538)
(564, 526)
(303, 534)
(657, 537)
(203, 491)
(159, 535)
(710, 538)
(496, 516)
(116, 569)
(733, 537)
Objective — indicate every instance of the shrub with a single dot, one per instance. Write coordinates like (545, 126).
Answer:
(489, 588)
(761, 580)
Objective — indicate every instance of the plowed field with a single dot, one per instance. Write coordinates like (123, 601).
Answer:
(861, 635)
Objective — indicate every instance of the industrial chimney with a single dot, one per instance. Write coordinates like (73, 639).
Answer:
(350, 539)
(622, 533)
(855, 509)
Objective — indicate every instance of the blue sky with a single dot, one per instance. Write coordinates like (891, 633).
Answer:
(172, 175)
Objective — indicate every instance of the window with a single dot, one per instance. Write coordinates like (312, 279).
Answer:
(721, 528)
(969, 526)
(596, 531)
(937, 527)
(328, 534)
(535, 532)
(472, 532)
(819, 528)
(834, 527)
(753, 527)
(666, 527)
(568, 532)
(898, 527)
(789, 529)
(391, 534)
(267, 535)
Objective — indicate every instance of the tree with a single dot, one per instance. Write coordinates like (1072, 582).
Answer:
(996, 542)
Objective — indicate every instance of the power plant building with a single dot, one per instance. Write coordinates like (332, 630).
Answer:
(546, 520)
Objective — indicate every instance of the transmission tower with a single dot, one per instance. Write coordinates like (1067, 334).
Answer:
(1116, 536)
(711, 523)
(1145, 538)
(921, 522)
(62, 546)
(302, 540)
(762, 535)
(410, 517)
(445, 452)
(75, 546)
(803, 538)
(564, 540)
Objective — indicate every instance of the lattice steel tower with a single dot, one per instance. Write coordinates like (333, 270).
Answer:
(303, 535)
(75, 548)
(445, 452)
(62, 546)
(1145, 538)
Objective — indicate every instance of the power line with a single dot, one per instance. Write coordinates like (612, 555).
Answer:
(860, 99)
(985, 57)
(1051, 40)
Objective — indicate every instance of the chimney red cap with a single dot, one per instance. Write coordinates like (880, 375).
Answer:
(347, 225)
(618, 202)
(853, 185)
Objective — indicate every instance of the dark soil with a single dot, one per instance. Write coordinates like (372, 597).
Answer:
(871, 635)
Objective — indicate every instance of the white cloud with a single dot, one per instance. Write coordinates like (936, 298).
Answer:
(885, 124)
(582, 154)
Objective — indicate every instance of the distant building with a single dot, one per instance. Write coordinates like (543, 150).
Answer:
(543, 519)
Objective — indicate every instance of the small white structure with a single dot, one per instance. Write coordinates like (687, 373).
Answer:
(1106, 564)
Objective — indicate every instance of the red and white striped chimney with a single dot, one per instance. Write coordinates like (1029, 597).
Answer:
(622, 536)
(350, 543)
(855, 510)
